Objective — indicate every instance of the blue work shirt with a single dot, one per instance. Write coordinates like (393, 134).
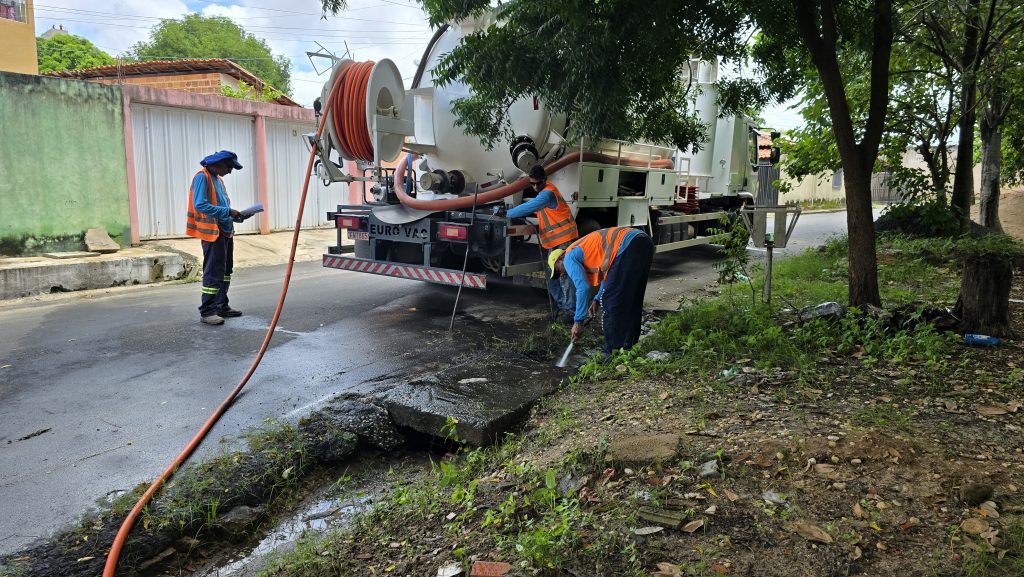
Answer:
(574, 268)
(201, 202)
(545, 199)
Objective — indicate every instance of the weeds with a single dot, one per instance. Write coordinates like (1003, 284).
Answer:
(882, 416)
(1006, 561)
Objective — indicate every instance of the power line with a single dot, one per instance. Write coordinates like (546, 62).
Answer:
(398, 40)
(59, 9)
(273, 32)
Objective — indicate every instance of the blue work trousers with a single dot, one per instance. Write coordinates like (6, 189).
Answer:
(623, 298)
(218, 262)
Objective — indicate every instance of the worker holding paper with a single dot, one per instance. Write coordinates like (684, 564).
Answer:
(211, 219)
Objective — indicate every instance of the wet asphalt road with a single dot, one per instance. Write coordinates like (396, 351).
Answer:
(105, 388)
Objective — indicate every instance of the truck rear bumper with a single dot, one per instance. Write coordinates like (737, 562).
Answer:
(408, 271)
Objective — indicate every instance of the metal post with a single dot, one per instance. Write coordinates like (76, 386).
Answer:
(769, 245)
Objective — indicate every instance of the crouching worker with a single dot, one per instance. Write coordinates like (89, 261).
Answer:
(556, 228)
(613, 263)
(210, 219)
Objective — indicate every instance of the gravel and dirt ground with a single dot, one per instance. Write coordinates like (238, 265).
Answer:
(886, 447)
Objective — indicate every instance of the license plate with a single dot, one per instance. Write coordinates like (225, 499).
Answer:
(358, 235)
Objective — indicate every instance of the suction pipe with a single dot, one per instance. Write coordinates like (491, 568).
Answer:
(509, 189)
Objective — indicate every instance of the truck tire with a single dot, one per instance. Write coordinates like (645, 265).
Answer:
(586, 225)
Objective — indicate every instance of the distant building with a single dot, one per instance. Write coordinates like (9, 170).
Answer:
(203, 76)
(54, 31)
(18, 37)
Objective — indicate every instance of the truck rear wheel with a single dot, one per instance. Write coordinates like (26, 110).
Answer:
(586, 225)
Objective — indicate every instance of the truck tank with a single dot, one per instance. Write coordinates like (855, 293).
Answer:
(440, 224)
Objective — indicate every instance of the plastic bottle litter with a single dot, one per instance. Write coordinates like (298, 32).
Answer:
(829, 309)
(981, 340)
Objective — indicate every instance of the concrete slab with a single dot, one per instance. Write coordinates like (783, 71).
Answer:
(70, 254)
(487, 392)
(97, 240)
(25, 277)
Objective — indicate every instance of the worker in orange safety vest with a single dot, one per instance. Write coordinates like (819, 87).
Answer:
(556, 229)
(612, 264)
(211, 219)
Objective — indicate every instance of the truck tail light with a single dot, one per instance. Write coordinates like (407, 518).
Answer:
(452, 232)
(352, 222)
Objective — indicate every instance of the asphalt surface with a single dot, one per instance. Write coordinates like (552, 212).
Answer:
(99, 391)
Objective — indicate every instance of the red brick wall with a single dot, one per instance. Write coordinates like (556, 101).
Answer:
(200, 82)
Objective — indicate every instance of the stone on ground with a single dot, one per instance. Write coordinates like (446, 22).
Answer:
(97, 240)
(643, 449)
(372, 424)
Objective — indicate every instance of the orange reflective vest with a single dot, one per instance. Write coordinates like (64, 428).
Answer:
(556, 226)
(197, 224)
(599, 251)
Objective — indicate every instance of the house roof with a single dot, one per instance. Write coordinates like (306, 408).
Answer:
(163, 67)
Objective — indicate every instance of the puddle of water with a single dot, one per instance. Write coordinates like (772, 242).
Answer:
(322, 515)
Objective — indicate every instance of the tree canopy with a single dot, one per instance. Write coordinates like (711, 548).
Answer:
(69, 52)
(196, 36)
(616, 67)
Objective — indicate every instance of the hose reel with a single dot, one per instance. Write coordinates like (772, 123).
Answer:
(367, 118)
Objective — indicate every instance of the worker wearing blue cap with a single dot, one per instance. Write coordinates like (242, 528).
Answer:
(211, 219)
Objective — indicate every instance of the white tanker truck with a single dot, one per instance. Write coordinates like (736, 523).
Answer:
(432, 218)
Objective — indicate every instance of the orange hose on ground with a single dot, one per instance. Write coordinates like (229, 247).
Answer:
(122, 534)
(510, 188)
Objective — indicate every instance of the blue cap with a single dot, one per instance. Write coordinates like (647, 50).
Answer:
(219, 156)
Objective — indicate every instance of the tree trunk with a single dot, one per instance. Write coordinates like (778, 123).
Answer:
(938, 169)
(991, 163)
(857, 158)
(863, 275)
(984, 303)
(963, 181)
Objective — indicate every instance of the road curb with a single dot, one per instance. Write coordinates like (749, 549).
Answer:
(23, 278)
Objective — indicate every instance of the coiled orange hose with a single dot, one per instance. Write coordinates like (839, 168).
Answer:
(110, 567)
(349, 113)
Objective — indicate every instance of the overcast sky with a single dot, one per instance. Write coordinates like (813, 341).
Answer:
(372, 29)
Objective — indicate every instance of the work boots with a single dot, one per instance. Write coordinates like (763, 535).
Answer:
(212, 320)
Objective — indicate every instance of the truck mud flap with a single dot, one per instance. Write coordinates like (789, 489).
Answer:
(407, 271)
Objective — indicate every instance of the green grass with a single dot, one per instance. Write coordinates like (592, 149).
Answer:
(535, 525)
(709, 336)
(882, 416)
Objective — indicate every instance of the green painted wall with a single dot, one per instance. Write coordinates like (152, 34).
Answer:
(62, 163)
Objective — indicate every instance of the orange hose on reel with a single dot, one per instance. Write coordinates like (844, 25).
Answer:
(349, 113)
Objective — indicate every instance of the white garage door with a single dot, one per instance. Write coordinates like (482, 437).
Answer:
(168, 145)
(287, 158)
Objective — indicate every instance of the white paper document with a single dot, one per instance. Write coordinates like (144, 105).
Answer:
(251, 210)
